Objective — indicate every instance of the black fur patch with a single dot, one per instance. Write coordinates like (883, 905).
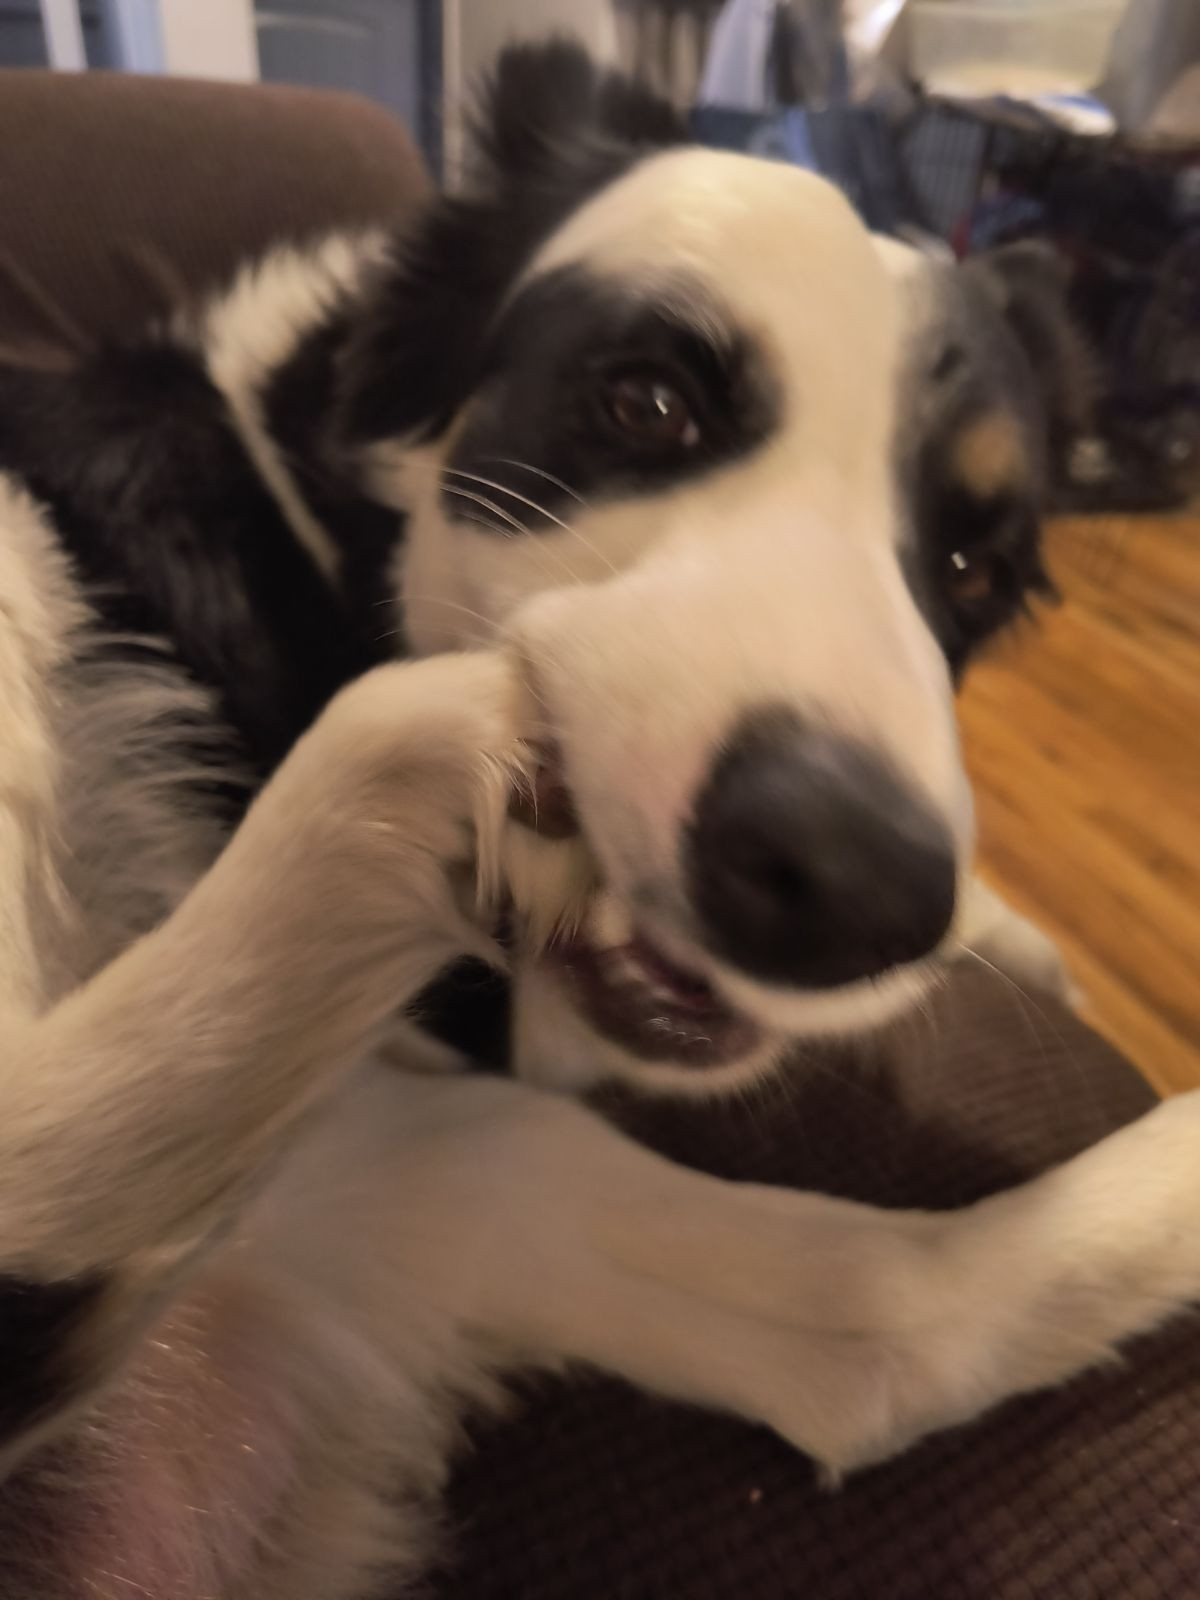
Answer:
(469, 1007)
(553, 130)
(539, 429)
(1029, 284)
(38, 1322)
(171, 528)
(950, 360)
(297, 405)
(976, 564)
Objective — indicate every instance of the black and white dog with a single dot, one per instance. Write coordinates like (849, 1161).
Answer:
(708, 500)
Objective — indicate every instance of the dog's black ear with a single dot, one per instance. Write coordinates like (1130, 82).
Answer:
(1030, 285)
(550, 103)
(552, 130)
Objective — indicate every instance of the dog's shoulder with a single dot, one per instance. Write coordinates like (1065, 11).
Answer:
(182, 513)
(165, 629)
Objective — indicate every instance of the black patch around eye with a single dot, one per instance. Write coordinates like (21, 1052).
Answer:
(38, 1323)
(538, 439)
(974, 565)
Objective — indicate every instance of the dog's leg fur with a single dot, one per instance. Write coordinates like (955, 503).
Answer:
(850, 1330)
(141, 1110)
(428, 1232)
(38, 614)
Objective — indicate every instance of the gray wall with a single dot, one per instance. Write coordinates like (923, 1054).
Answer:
(388, 50)
(23, 44)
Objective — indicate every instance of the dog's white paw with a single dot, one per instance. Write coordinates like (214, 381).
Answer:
(406, 775)
(938, 1318)
(442, 731)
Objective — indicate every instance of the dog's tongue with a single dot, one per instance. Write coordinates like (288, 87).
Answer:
(639, 997)
(687, 989)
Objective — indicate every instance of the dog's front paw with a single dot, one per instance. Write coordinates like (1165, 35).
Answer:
(408, 774)
(449, 721)
(1038, 1284)
(934, 1319)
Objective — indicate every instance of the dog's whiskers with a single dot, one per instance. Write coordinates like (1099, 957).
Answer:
(490, 506)
(515, 529)
(1022, 994)
(450, 605)
(969, 950)
(1029, 1003)
(528, 466)
(534, 505)
(498, 633)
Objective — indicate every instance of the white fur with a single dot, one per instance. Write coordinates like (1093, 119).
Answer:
(39, 611)
(847, 1329)
(101, 832)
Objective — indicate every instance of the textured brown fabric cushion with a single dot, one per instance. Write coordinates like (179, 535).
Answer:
(1089, 1493)
(116, 195)
(121, 194)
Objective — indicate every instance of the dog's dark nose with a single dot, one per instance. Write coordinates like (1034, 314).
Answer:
(810, 863)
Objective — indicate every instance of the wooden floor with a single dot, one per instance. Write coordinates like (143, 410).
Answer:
(1083, 738)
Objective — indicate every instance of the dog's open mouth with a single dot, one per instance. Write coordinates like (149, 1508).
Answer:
(629, 990)
(636, 996)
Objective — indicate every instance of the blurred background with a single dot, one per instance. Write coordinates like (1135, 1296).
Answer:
(958, 125)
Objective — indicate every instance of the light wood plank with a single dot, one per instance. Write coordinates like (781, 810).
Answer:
(1083, 739)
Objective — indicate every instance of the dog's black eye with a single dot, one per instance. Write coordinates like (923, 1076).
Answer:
(651, 412)
(973, 577)
(986, 565)
(985, 543)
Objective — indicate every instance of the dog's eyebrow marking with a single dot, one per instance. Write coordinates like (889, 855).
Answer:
(685, 304)
(530, 435)
(39, 1322)
(989, 455)
(693, 308)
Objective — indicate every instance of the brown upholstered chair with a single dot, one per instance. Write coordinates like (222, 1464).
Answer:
(118, 194)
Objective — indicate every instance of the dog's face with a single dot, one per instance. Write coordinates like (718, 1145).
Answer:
(680, 473)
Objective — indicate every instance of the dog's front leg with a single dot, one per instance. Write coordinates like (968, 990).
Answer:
(542, 1232)
(139, 1113)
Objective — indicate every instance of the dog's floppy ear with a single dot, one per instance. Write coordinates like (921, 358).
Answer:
(1030, 285)
(552, 130)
